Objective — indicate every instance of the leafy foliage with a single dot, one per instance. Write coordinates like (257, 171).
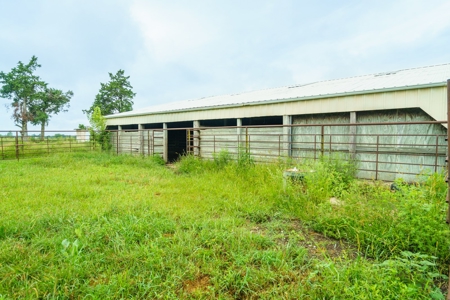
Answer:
(24, 88)
(98, 129)
(115, 96)
(50, 101)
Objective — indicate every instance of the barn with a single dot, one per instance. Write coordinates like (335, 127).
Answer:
(353, 115)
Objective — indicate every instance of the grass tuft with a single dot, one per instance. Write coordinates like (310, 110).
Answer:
(79, 224)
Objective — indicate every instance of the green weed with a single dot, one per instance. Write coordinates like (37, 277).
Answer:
(79, 225)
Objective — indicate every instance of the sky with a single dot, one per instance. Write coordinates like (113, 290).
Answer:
(178, 50)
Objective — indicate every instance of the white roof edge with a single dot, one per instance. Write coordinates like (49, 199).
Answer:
(391, 89)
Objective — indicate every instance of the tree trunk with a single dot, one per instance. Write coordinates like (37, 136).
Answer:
(25, 130)
(42, 130)
(24, 120)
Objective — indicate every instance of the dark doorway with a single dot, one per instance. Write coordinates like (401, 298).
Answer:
(177, 144)
(274, 120)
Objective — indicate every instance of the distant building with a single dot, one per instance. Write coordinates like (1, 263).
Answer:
(82, 135)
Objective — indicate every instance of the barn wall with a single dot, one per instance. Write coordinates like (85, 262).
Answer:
(399, 143)
(146, 142)
(306, 141)
(263, 143)
(400, 150)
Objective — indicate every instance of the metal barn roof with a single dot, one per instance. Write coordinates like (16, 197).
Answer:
(395, 80)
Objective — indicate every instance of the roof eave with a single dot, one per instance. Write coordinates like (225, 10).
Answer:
(393, 89)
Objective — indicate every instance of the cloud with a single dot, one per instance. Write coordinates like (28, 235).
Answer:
(399, 25)
(171, 32)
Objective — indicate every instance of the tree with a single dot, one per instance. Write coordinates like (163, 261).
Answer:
(50, 101)
(98, 129)
(115, 96)
(23, 88)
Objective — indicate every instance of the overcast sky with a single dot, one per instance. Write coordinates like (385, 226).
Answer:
(178, 50)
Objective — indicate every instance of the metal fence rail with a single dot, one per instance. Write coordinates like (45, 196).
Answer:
(15, 146)
(408, 150)
(379, 155)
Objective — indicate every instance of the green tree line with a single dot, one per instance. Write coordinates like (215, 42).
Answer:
(32, 99)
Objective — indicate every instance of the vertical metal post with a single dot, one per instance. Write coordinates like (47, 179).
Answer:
(322, 145)
(70, 144)
(330, 145)
(352, 137)
(48, 147)
(246, 140)
(153, 142)
(165, 142)
(315, 147)
(3, 155)
(238, 144)
(448, 181)
(239, 134)
(141, 139)
(188, 142)
(376, 161)
(196, 139)
(279, 145)
(148, 142)
(117, 142)
(437, 153)
(448, 147)
(286, 149)
(17, 145)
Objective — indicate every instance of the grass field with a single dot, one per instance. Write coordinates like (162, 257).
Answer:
(35, 147)
(95, 226)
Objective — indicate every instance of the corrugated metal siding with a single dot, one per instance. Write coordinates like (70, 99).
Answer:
(403, 150)
(215, 140)
(147, 142)
(306, 139)
(261, 142)
(399, 138)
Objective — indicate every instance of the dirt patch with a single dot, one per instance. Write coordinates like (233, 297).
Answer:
(199, 284)
(171, 166)
(317, 244)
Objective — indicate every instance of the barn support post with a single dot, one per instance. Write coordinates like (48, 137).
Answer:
(119, 142)
(196, 137)
(239, 133)
(287, 136)
(165, 143)
(141, 139)
(352, 137)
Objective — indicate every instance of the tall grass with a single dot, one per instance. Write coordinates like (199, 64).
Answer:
(90, 225)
